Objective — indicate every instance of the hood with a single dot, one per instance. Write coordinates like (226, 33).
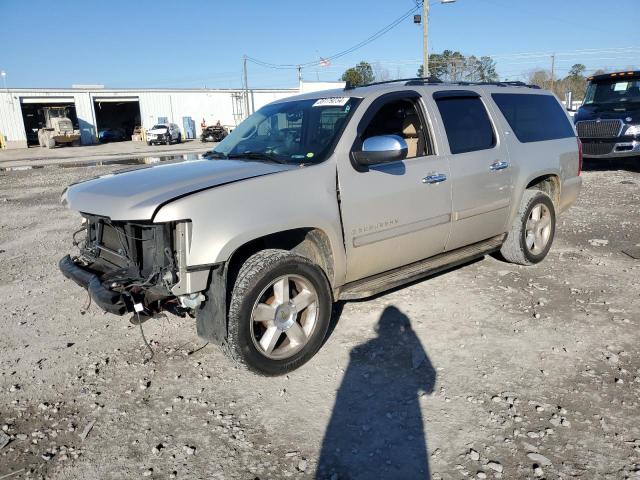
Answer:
(158, 131)
(605, 111)
(136, 194)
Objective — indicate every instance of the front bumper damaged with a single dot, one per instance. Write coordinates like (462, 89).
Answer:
(108, 300)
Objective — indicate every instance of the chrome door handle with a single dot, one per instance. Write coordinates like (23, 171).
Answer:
(498, 165)
(434, 178)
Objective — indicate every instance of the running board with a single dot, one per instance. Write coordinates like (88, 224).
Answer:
(375, 284)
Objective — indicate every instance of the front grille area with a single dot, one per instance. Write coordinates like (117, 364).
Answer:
(601, 129)
(597, 148)
(139, 247)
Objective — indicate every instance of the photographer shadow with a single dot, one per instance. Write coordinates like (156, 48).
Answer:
(376, 427)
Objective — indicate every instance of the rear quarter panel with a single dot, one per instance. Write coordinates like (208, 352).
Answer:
(535, 159)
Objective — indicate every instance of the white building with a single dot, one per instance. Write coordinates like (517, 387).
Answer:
(93, 108)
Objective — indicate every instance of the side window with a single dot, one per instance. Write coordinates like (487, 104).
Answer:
(400, 117)
(534, 118)
(467, 124)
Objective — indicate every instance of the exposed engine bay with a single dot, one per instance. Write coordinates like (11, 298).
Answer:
(131, 266)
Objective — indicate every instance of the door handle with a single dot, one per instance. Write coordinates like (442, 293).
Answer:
(498, 165)
(434, 178)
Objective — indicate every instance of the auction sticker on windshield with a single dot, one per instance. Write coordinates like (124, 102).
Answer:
(331, 102)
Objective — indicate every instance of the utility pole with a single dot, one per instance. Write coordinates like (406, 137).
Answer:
(425, 38)
(553, 70)
(246, 87)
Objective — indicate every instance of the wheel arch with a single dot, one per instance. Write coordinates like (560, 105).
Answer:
(310, 242)
(548, 183)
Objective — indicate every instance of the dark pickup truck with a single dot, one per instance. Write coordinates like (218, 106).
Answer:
(608, 122)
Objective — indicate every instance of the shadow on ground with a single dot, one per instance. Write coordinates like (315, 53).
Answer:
(631, 164)
(376, 427)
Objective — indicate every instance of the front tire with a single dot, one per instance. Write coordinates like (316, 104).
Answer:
(533, 230)
(279, 312)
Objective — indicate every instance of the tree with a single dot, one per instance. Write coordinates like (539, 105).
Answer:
(380, 73)
(486, 69)
(577, 70)
(454, 66)
(361, 74)
(540, 78)
(575, 81)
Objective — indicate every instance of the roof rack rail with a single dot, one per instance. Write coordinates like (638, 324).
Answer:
(408, 81)
(422, 81)
(437, 81)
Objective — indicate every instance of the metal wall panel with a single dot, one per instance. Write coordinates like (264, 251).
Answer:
(11, 124)
(210, 105)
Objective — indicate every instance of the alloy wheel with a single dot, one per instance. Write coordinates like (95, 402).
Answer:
(284, 317)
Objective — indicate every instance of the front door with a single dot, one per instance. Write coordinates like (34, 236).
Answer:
(480, 168)
(400, 212)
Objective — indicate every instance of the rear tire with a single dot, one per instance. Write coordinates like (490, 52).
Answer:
(279, 312)
(533, 230)
(179, 138)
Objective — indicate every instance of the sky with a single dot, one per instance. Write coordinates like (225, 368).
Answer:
(195, 44)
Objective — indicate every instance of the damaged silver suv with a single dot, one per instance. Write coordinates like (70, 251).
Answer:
(322, 197)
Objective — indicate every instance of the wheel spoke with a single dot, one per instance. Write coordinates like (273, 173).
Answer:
(535, 212)
(281, 290)
(303, 300)
(296, 334)
(529, 239)
(270, 338)
(544, 222)
(538, 241)
(264, 313)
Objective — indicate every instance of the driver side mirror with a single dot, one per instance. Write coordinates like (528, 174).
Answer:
(381, 149)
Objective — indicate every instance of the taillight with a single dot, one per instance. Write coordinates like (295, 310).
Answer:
(579, 156)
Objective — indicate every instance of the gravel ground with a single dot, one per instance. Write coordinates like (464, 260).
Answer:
(487, 371)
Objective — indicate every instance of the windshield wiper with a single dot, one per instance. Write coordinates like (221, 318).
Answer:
(214, 154)
(257, 156)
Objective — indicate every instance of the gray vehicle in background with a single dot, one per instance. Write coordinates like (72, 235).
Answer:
(322, 197)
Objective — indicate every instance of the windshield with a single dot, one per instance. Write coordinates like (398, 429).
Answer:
(301, 131)
(613, 91)
(156, 127)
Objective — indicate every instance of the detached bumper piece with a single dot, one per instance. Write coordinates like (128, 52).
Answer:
(109, 300)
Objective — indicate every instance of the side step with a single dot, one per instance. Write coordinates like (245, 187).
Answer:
(375, 284)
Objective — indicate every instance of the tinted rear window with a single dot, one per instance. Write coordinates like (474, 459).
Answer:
(534, 118)
(467, 124)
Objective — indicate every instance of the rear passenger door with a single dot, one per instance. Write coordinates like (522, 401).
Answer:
(480, 167)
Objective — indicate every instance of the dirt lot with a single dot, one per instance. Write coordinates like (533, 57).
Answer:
(487, 371)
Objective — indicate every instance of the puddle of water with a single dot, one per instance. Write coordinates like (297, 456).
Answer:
(101, 163)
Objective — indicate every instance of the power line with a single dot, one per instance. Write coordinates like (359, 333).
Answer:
(349, 50)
